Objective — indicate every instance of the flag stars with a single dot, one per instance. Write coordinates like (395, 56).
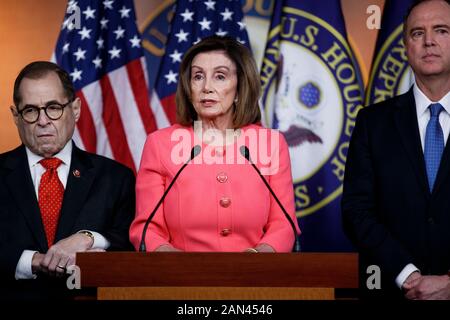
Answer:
(119, 32)
(80, 54)
(97, 62)
(114, 52)
(89, 13)
(171, 77)
(104, 23)
(108, 4)
(85, 33)
(187, 15)
(182, 36)
(124, 12)
(135, 42)
(240, 40)
(176, 56)
(241, 25)
(210, 5)
(65, 47)
(76, 74)
(227, 15)
(205, 24)
(100, 43)
(221, 33)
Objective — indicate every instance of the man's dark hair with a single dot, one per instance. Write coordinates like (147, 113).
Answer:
(408, 12)
(39, 69)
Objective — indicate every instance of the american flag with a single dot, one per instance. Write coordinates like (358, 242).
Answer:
(104, 57)
(194, 20)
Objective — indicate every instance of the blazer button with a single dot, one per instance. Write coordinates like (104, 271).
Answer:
(222, 177)
(225, 232)
(430, 220)
(225, 202)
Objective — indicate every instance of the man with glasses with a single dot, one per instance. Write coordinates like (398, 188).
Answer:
(55, 199)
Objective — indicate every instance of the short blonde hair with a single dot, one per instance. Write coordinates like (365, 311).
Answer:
(246, 110)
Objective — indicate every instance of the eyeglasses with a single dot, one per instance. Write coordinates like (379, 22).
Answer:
(53, 111)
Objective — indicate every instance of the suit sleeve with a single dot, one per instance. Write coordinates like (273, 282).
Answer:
(278, 231)
(361, 220)
(117, 233)
(150, 184)
(10, 253)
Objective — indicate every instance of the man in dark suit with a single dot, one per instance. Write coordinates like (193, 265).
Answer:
(396, 198)
(55, 199)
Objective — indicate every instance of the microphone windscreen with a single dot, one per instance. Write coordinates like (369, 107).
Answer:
(195, 151)
(245, 152)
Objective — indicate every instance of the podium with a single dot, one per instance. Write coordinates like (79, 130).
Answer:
(221, 276)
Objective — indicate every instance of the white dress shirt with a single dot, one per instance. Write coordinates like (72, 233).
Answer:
(423, 116)
(23, 268)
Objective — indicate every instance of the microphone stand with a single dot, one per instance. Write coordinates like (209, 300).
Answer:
(246, 154)
(194, 152)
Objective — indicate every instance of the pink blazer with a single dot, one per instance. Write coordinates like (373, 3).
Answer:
(218, 203)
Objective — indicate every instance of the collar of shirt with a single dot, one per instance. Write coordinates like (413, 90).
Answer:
(423, 115)
(37, 170)
(422, 102)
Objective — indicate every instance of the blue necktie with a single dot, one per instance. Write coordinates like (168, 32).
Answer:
(434, 144)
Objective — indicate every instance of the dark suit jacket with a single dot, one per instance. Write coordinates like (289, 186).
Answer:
(388, 210)
(101, 199)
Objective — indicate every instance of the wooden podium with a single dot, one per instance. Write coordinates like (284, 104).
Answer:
(211, 276)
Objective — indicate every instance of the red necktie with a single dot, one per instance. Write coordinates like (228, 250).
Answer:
(51, 193)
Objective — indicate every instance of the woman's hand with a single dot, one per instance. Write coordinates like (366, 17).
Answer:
(167, 248)
(260, 248)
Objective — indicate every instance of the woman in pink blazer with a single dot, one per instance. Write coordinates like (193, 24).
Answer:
(218, 202)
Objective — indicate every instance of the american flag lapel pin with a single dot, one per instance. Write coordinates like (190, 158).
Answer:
(76, 173)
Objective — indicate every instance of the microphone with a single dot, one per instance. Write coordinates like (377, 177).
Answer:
(195, 151)
(246, 154)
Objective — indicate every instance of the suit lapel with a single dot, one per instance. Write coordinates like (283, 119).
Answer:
(24, 195)
(79, 182)
(406, 122)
